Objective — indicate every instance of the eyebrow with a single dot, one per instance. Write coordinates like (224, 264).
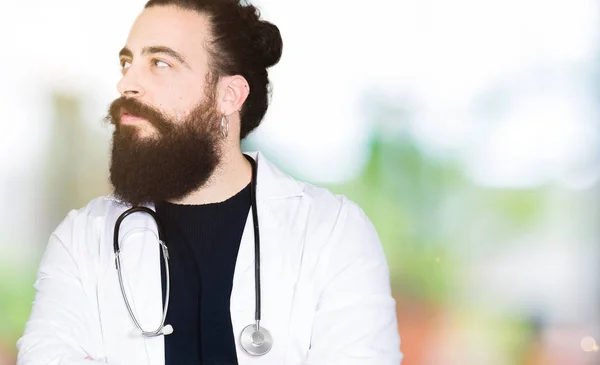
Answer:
(126, 52)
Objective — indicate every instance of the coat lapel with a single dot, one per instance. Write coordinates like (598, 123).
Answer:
(271, 185)
(273, 188)
(245, 259)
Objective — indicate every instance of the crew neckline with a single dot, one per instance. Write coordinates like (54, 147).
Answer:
(168, 205)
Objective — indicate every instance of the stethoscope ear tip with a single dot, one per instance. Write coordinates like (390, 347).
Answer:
(167, 330)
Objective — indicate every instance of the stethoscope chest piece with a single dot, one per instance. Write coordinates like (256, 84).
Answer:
(256, 342)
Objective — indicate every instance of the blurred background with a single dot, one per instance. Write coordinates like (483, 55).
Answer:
(467, 130)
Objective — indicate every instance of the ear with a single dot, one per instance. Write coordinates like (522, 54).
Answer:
(234, 92)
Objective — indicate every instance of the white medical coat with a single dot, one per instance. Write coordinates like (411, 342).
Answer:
(325, 284)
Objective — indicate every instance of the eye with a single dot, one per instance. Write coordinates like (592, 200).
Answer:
(125, 64)
(160, 64)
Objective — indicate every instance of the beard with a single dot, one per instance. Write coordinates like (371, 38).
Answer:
(170, 165)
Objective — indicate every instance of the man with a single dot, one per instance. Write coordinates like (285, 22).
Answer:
(256, 267)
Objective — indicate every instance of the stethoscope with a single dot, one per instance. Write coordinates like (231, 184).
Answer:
(255, 340)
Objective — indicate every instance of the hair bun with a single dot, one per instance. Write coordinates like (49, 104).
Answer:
(265, 37)
(269, 44)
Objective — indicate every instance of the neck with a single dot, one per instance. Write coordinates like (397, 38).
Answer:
(232, 174)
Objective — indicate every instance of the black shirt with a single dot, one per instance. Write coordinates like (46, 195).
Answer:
(203, 243)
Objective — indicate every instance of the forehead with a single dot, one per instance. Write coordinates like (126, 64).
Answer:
(182, 30)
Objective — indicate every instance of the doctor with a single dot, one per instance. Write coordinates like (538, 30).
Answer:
(226, 260)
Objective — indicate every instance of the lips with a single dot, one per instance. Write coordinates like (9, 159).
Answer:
(127, 118)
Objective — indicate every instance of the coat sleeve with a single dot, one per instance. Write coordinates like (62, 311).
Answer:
(355, 321)
(61, 327)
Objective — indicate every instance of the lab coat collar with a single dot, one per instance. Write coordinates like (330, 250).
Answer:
(271, 182)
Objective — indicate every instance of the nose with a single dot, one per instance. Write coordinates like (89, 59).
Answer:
(129, 85)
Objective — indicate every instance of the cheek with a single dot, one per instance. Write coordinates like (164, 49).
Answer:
(177, 99)
(184, 107)
(173, 106)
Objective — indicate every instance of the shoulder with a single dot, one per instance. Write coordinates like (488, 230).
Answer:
(342, 242)
(290, 199)
(325, 216)
(335, 208)
(338, 226)
(87, 219)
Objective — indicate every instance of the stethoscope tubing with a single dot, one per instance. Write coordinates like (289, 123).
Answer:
(165, 251)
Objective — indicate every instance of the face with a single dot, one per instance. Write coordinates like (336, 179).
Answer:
(164, 64)
(167, 140)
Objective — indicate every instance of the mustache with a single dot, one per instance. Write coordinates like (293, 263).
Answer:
(135, 107)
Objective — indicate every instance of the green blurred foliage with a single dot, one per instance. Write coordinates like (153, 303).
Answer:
(402, 192)
(16, 297)
(424, 209)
